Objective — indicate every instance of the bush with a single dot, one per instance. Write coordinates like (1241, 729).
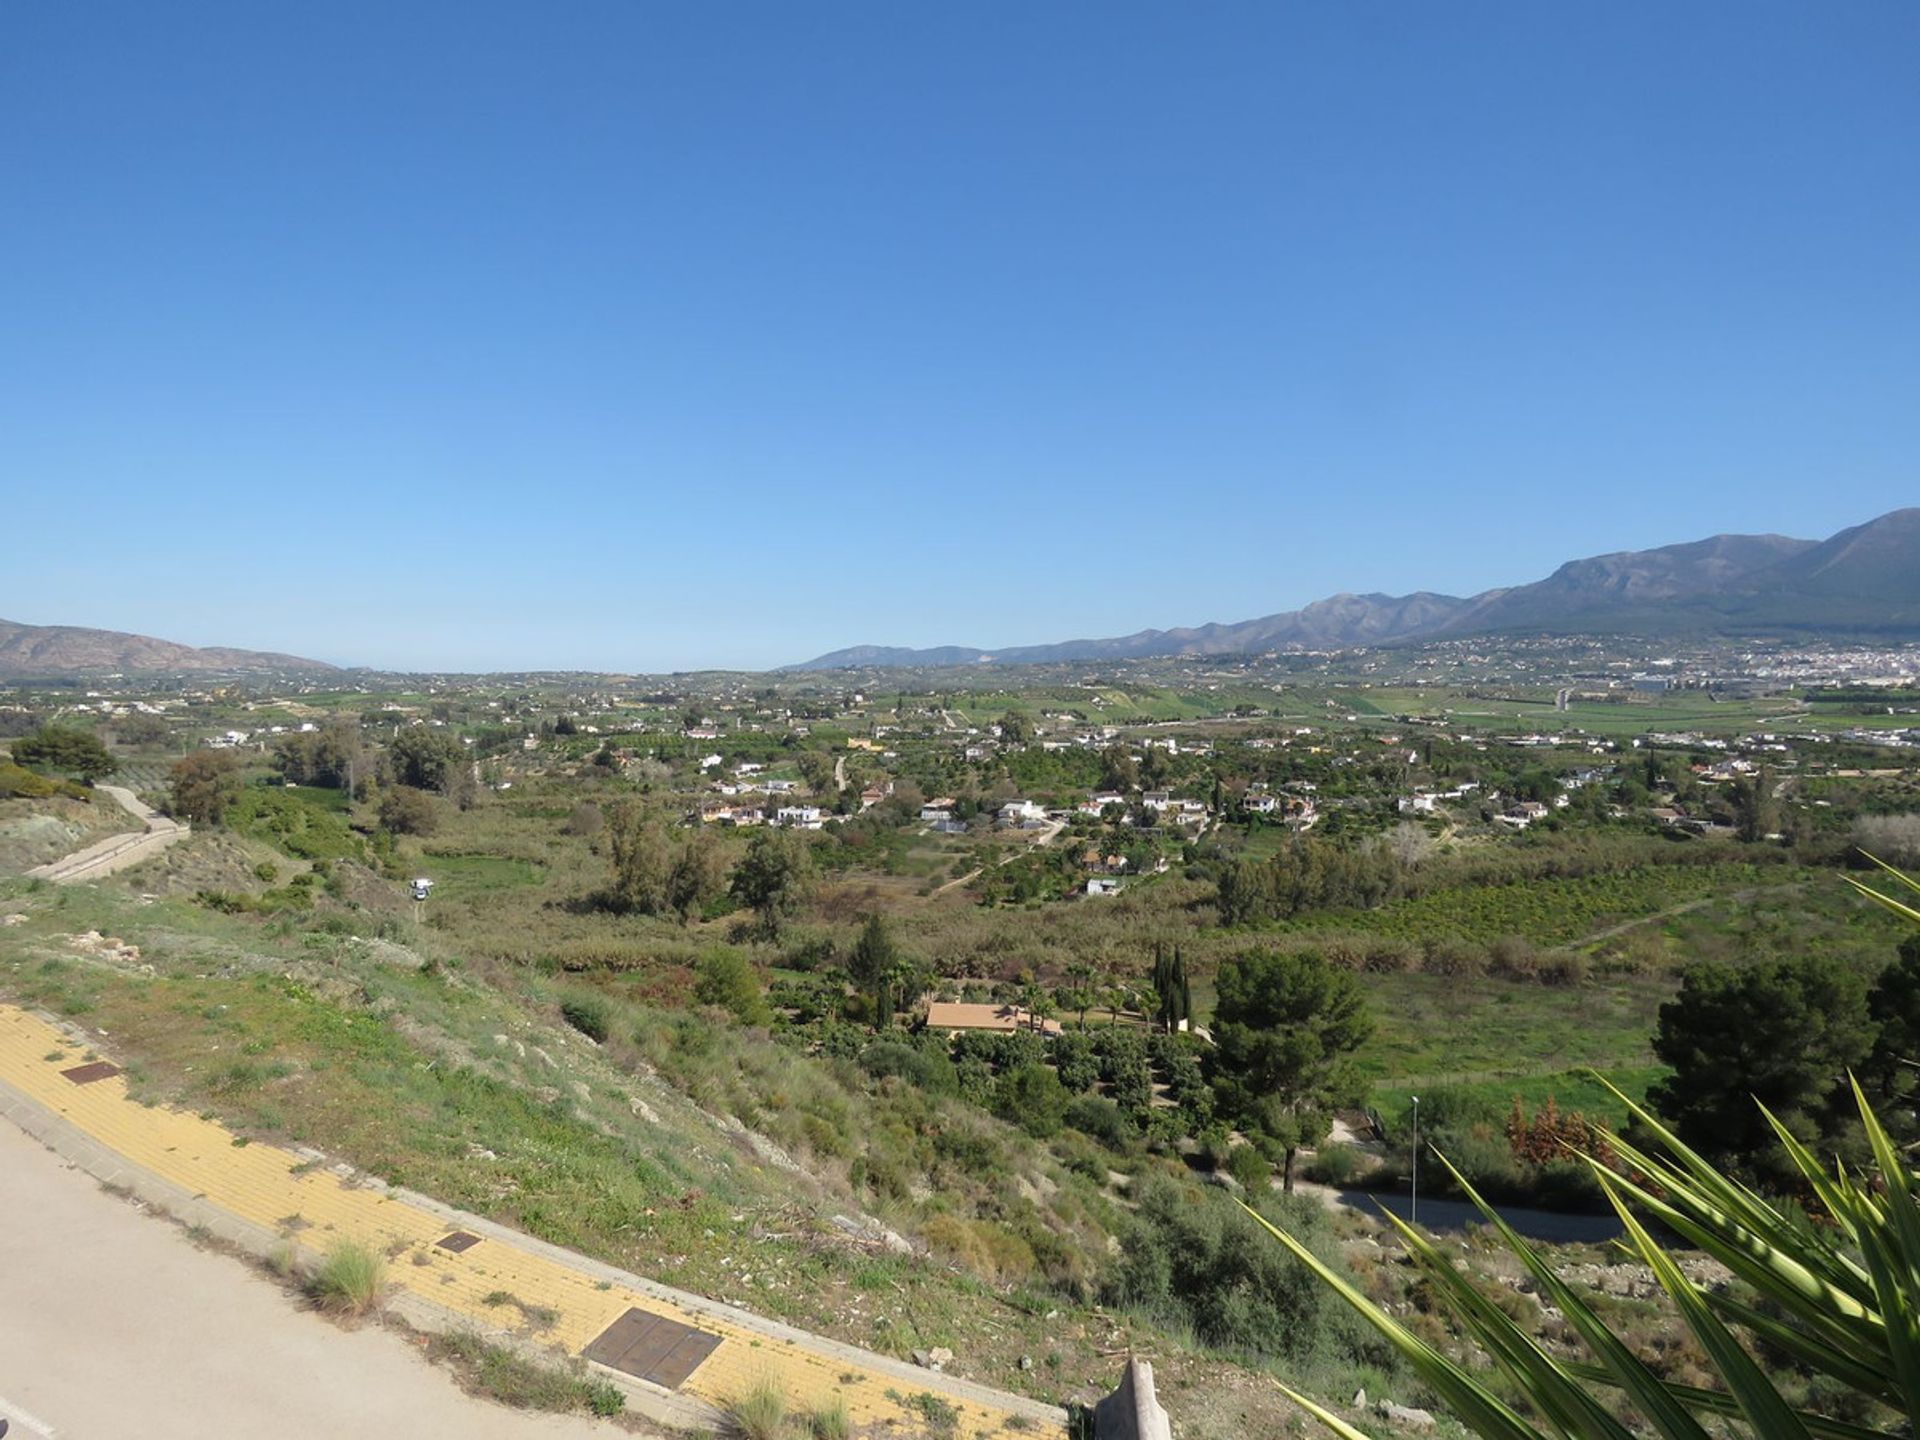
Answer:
(1103, 1120)
(1193, 1258)
(1033, 1098)
(930, 1072)
(406, 811)
(727, 979)
(1247, 1165)
(1334, 1164)
(589, 1014)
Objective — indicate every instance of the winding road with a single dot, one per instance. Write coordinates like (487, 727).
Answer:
(116, 852)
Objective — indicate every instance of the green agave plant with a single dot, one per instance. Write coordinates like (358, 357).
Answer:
(1841, 1299)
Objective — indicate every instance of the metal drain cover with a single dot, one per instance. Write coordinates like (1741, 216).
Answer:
(459, 1240)
(652, 1348)
(87, 1074)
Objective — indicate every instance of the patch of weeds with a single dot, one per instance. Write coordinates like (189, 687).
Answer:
(349, 1280)
(831, 1421)
(54, 1057)
(537, 1317)
(758, 1414)
(283, 1260)
(941, 1417)
(503, 1374)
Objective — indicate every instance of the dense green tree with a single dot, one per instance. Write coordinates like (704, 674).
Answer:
(1118, 769)
(429, 758)
(333, 755)
(872, 966)
(726, 978)
(1032, 1097)
(407, 811)
(637, 845)
(203, 785)
(773, 879)
(1017, 727)
(66, 748)
(1170, 988)
(1756, 814)
(1783, 1032)
(698, 875)
(1892, 1068)
(1285, 1028)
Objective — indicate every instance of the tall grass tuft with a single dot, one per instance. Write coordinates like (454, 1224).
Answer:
(830, 1421)
(759, 1414)
(350, 1279)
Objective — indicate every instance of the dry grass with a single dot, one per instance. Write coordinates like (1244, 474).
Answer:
(350, 1280)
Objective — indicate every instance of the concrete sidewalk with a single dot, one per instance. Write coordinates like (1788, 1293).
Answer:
(261, 1196)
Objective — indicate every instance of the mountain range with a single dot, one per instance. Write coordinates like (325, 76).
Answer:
(36, 651)
(1864, 581)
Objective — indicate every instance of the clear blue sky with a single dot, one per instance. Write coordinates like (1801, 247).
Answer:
(635, 335)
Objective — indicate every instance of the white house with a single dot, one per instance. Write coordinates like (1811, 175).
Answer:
(1103, 885)
(798, 817)
(1021, 812)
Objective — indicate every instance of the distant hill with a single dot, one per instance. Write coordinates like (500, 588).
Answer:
(1865, 581)
(36, 651)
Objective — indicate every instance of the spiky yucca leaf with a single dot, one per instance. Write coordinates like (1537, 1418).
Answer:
(1844, 1301)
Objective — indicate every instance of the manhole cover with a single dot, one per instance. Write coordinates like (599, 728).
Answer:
(459, 1240)
(87, 1074)
(653, 1348)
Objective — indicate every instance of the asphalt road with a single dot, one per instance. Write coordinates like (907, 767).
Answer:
(1551, 1226)
(114, 1326)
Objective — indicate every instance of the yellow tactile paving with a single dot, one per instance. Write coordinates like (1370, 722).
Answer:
(276, 1189)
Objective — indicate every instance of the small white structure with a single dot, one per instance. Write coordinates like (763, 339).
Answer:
(799, 817)
(1103, 885)
(422, 888)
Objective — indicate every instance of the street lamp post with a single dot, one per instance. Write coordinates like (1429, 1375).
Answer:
(1416, 1160)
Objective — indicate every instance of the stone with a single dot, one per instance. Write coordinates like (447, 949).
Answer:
(1407, 1415)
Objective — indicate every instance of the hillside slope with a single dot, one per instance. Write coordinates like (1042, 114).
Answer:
(48, 650)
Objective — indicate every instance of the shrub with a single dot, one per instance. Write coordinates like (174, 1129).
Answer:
(1103, 1120)
(589, 1014)
(350, 1279)
(1033, 1098)
(831, 1421)
(930, 1072)
(1247, 1165)
(18, 782)
(759, 1414)
(1192, 1258)
(406, 811)
(727, 979)
(1334, 1164)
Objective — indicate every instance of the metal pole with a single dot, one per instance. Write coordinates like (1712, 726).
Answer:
(1416, 1160)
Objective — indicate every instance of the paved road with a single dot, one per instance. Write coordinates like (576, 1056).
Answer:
(113, 1326)
(1550, 1226)
(116, 852)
